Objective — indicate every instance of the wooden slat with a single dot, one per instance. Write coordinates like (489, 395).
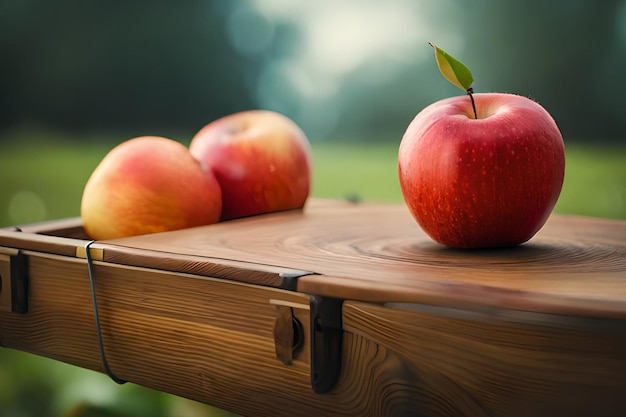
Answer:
(236, 270)
(67, 237)
(376, 252)
(201, 338)
(432, 361)
(212, 340)
(58, 245)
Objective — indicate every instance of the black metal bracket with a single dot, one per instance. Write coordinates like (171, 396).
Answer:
(326, 342)
(19, 283)
(290, 279)
(14, 282)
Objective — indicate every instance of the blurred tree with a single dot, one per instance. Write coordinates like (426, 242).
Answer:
(569, 56)
(149, 65)
(81, 65)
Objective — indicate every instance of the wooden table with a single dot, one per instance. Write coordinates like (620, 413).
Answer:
(341, 309)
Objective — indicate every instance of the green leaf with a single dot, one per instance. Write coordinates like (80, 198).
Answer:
(452, 70)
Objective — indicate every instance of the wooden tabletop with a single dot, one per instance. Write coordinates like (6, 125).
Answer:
(376, 252)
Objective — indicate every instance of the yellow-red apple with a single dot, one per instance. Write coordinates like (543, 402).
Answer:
(261, 159)
(146, 185)
(485, 181)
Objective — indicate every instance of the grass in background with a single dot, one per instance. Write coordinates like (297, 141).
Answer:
(595, 177)
(44, 179)
(367, 172)
(595, 182)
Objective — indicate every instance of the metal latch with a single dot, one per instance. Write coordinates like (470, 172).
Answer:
(325, 338)
(13, 281)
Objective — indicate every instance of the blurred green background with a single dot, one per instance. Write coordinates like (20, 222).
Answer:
(77, 78)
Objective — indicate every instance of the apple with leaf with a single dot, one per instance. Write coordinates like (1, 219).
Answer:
(480, 170)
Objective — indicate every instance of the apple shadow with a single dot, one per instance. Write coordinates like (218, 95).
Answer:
(531, 256)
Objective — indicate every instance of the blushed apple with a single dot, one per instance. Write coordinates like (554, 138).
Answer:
(147, 185)
(261, 159)
(484, 179)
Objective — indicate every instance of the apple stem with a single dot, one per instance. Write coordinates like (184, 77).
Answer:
(470, 91)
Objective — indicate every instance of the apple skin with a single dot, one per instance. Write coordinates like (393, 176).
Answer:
(146, 185)
(482, 183)
(261, 159)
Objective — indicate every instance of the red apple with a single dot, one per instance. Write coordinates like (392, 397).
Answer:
(484, 182)
(261, 159)
(146, 185)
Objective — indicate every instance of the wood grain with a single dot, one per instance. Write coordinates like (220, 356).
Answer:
(212, 340)
(201, 338)
(58, 245)
(428, 331)
(443, 362)
(376, 252)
